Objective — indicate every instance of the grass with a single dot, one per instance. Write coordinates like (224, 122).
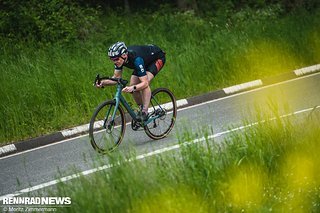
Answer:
(49, 88)
(269, 167)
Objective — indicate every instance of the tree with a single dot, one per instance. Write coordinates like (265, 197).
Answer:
(126, 6)
(187, 5)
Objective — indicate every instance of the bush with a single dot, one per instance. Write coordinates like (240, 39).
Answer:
(46, 21)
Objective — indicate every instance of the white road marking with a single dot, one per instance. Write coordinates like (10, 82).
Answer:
(7, 148)
(307, 70)
(244, 86)
(75, 130)
(139, 157)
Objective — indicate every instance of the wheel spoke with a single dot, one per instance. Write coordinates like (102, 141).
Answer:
(162, 100)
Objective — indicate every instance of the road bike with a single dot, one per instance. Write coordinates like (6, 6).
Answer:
(108, 122)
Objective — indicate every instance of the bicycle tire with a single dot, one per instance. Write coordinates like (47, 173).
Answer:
(162, 100)
(101, 128)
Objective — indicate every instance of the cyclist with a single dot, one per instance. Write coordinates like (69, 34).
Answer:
(146, 62)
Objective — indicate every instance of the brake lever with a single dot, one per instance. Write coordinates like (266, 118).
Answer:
(97, 80)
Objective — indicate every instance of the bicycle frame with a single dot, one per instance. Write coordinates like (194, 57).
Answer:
(119, 99)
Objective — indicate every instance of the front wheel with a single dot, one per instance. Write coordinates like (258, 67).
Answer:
(107, 127)
(162, 113)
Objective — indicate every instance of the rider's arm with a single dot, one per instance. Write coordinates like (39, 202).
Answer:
(142, 74)
(106, 82)
(143, 84)
(143, 77)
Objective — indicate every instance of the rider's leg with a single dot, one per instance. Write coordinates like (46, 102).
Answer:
(146, 94)
(152, 70)
(143, 97)
(136, 95)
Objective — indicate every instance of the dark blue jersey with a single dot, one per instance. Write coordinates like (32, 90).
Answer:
(139, 58)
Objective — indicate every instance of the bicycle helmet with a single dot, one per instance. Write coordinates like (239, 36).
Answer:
(117, 49)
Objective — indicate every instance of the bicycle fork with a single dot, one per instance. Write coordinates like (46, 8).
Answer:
(109, 125)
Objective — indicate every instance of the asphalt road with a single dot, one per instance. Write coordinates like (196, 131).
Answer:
(31, 168)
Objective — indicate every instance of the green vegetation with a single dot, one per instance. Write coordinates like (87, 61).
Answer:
(273, 166)
(47, 71)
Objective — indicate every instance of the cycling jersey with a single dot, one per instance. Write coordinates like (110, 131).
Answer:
(140, 58)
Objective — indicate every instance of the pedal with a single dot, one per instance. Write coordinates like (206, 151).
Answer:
(135, 125)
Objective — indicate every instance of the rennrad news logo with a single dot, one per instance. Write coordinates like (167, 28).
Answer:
(52, 201)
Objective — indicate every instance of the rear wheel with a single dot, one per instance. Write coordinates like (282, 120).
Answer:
(106, 133)
(163, 109)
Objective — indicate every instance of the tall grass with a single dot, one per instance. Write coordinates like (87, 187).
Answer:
(48, 88)
(270, 167)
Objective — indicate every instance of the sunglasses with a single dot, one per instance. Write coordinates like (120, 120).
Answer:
(115, 58)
